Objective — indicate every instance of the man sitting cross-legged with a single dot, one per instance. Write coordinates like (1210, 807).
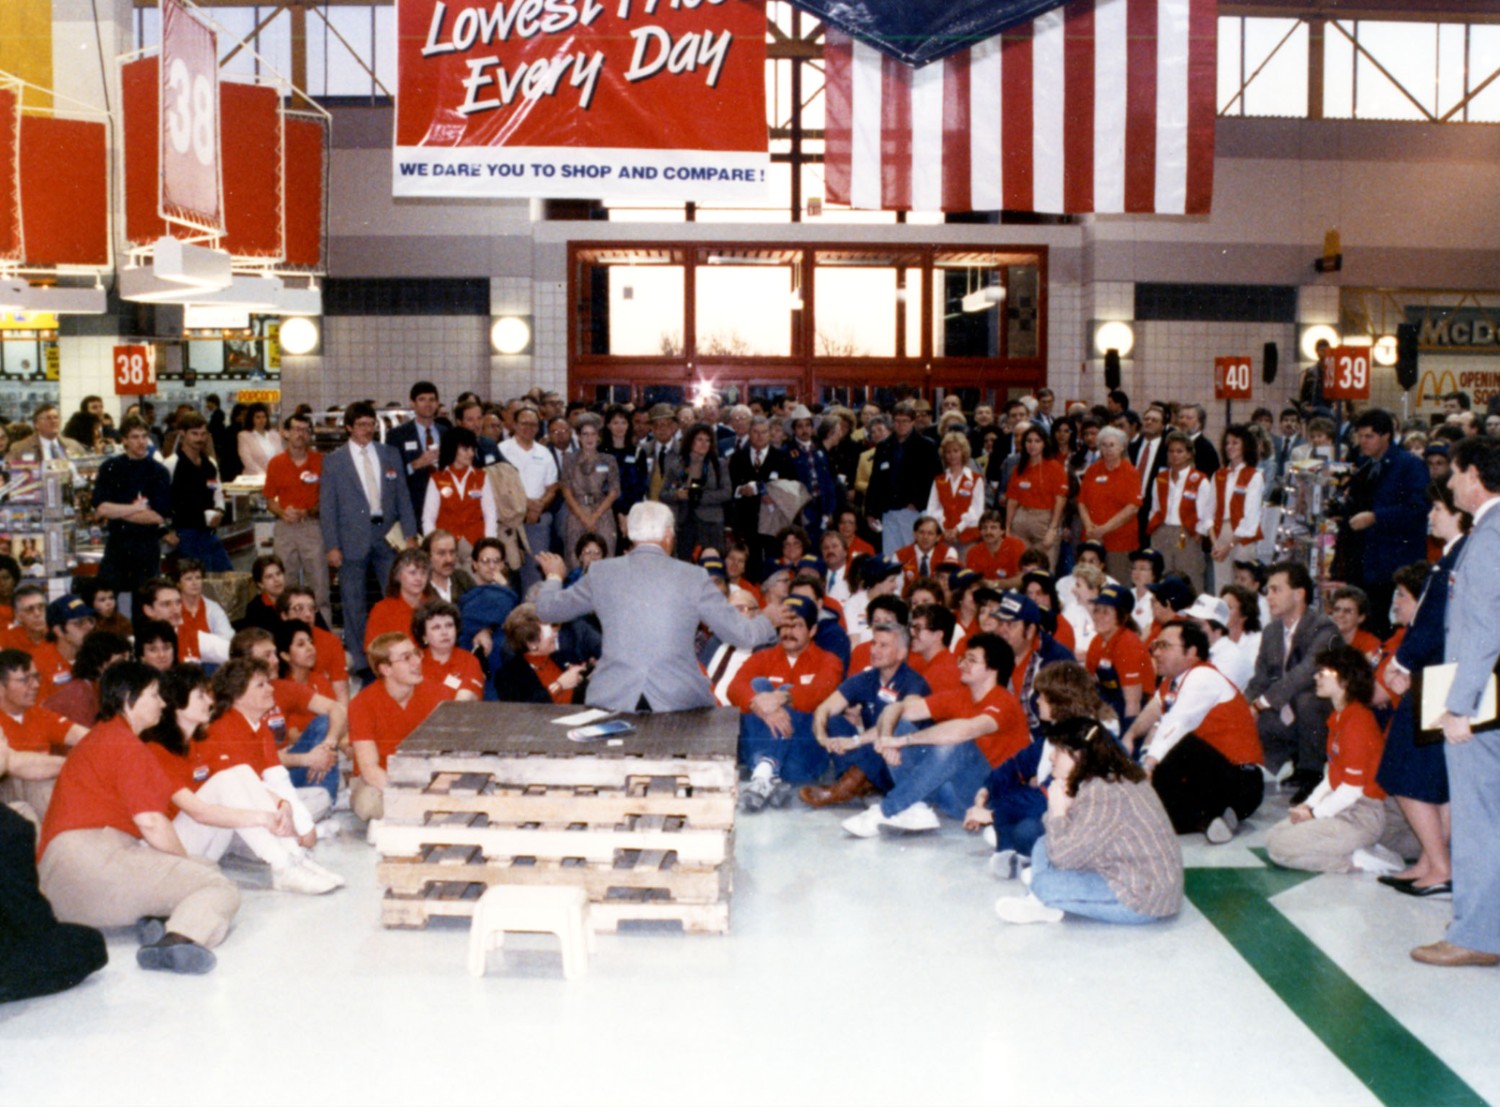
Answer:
(888, 680)
(978, 726)
(778, 689)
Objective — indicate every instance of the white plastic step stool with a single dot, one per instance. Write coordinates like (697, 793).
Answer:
(531, 909)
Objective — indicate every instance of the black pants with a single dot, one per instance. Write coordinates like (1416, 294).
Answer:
(38, 954)
(1197, 783)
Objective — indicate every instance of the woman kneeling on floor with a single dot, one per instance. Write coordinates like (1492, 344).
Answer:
(109, 853)
(214, 808)
(1346, 811)
(1109, 852)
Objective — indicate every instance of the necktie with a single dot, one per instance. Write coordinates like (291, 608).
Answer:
(760, 459)
(426, 442)
(922, 566)
(367, 473)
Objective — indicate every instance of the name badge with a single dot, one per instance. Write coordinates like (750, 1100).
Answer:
(410, 447)
(1101, 480)
(886, 695)
(774, 475)
(309, 477)
(452, 680)
(1190, 495)
(601, 468)
(885, 464)
(1240, 491)
(446, 492)
(200, 773)
(807, 678)
(390, 474)
(475, 493)
(1025, 484)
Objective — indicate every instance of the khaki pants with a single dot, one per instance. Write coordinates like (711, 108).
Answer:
(1181, 553)
(300, 547)
(105, 877)
(1327, 845)
(33, 794)
(366, 801)
(1030, 526)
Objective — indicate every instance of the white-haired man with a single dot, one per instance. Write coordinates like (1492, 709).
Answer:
(647, 662)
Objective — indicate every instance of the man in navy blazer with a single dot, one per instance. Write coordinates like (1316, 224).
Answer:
(417, 441)
(363, 496)
(1388, 500)
(1472, 640)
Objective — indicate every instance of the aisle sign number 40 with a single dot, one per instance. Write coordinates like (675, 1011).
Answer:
(135, 370)
(1346, 373)
(1231, 378)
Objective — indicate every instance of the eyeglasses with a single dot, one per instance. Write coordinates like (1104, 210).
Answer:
(487, 561)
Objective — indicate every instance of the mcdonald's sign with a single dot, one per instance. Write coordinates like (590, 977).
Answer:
(1480, 385)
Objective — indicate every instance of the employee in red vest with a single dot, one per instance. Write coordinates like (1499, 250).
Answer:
(1239, 489)
(1182, 512)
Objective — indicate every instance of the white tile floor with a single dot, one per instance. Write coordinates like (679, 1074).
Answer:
(856, 971)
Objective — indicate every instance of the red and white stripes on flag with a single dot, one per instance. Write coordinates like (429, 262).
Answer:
(1095, 106)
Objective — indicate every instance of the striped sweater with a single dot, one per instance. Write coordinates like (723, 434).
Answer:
(1121, 831)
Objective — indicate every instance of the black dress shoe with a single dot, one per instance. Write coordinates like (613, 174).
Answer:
(1439, 890)
(1400, 883)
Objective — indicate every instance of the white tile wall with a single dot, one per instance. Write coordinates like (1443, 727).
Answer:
(1175, 360)
(381, 357)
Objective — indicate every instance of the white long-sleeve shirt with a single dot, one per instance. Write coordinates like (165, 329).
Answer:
(1203, 688)
(1255, 493)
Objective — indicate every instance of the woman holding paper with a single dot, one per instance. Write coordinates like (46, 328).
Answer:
(1418, 775)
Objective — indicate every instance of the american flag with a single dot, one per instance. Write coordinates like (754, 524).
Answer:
(1094, 106)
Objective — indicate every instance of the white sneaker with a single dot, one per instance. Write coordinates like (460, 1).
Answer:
(1222, 829)
(915, 819)
(866, 824)
(988, 834)
(1026, 875)
(1377, 860)
(302, 879)
(328, 874)
(328, 828)
(1005, 864)
(757, 793)
(371, 829)
(1026, 909)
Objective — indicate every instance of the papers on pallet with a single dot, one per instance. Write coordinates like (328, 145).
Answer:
(581, 718)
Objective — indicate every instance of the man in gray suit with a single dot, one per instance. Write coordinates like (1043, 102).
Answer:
(1291, 719)
(649, 605)
(363, 496)
(1472, 637)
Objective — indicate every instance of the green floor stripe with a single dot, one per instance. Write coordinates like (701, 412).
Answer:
(1390, 1061)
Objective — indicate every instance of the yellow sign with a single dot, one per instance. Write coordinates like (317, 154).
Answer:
(273, 346)
(51, 361)
(258, 396)
(28, 321)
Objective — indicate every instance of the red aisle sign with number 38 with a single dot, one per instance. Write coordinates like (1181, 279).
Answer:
(1231, 378)
(1346, 373)
(135, 370)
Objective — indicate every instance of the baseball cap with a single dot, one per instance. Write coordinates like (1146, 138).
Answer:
(65, 609)
(877, 569)
(1116, 596)
(1016, 608)
(962, 579)
(1158, 562)
(1208, 608)
(715, 567)
(1096, 547)
(804, 608)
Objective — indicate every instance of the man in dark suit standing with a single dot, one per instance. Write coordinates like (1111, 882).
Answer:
(1388, 512)
(1472, 642)
(362, 498)
(749, 470)
(1149, 457)
(417, 441)
(470, 414)
(1292, 721)
(1191, 419)
(906, 464)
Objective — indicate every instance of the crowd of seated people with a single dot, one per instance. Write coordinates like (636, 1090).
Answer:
(1034, 622)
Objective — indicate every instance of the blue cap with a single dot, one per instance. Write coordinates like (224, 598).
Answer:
(715, 567)
(1116, 596)
(1095, 546)
(1016, 608)
(962, 579)
(876, 569)
(804, 608)
(65, 609)
(1174, 592)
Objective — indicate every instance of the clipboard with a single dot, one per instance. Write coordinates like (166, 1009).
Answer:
(1430, 688)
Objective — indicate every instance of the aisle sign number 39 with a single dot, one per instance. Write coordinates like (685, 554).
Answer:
(1346, 373)
(135, 370)
(1231, 378)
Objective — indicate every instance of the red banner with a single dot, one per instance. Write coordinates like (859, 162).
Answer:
(1232, 378)
(636, 98)
(64, 191)
(10, 182)
(1346, 373)
(251, 123)
(140, 99)
(135, 370)
(306, 144)
(189, 120)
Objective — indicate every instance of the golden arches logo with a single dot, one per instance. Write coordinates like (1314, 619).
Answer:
(1431, 386)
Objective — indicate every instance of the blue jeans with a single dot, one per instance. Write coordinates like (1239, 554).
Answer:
(1023, 835)
(799, 759)
(863, 758)
(203, 545)
(1078, 891)
(947, 775)
(315, 735)
(896, 529)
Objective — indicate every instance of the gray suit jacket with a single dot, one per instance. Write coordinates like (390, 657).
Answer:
(344, 511)
(1472, 626)
(649, 605)
(1314, 633)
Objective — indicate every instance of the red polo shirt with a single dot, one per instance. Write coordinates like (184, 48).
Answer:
(375, 717)
(108, 779)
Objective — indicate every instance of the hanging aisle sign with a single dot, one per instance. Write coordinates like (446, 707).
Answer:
(649, 99)
(190, 179)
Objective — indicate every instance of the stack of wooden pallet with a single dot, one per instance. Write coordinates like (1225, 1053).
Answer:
(487, 793)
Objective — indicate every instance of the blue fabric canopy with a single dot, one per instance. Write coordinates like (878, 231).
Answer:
(922, 31)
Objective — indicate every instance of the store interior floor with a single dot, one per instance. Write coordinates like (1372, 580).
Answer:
(855, 972)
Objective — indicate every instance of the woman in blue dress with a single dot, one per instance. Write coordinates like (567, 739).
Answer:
(1417, 775)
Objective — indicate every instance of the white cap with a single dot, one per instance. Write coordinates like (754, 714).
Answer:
(1208, 608)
